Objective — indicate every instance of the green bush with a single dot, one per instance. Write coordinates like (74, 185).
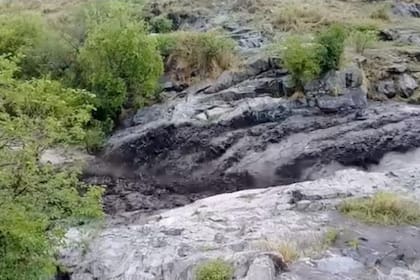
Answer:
(161, 24)
(43, 51)
(214, 270)
(301, 59)
(198, 55)
(383, 208)
(121, 64)
(331, 42)
(39, 202)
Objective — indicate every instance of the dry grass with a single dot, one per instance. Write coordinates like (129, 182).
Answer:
(192, 55)
(288, 250)
(307, 15)
(49, 7)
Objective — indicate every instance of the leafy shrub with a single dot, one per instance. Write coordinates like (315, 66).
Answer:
(120, 63)
(383, 208)
(301, 59)
(214, 270)
(161, 24)
(197, 55)
(331, 41)
(37, 201)
(19, 32)
(361, 40)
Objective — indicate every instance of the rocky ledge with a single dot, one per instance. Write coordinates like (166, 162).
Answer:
(240, 132)
(244, 227)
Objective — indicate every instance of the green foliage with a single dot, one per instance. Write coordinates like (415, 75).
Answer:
(19, 33)
(42, 50)
(166, 44)
(120, 63)
(383, 208)
(361, 40)
(214, 270)
(198, 55)
(161, 24)
(38, 202)
(301, 59)
(331, 42)
(95, 136)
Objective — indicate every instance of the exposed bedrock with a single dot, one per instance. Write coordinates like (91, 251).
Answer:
(247, 136)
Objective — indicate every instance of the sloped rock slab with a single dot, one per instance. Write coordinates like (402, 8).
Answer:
(237, 227)
(197, 149)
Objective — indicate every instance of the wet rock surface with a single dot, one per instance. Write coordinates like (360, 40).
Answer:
(244, 228)
(241, 134)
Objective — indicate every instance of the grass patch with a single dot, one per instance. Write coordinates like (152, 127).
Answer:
(214, 270)
(382, 208)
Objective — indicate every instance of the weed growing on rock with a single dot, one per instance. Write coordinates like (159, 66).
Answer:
(214, 270)
(383, 208)
(354, 244)
(330, 237)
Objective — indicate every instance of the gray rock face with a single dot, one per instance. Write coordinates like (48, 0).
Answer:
(246, 229)
(402, 35)
(407, 84)
(403, 274)
(246, 136)
(402, 8)
(339, 265)
(403, 85)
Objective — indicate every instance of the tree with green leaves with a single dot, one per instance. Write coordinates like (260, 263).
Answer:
(38, 201)
(119, 62)
(331, 41)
